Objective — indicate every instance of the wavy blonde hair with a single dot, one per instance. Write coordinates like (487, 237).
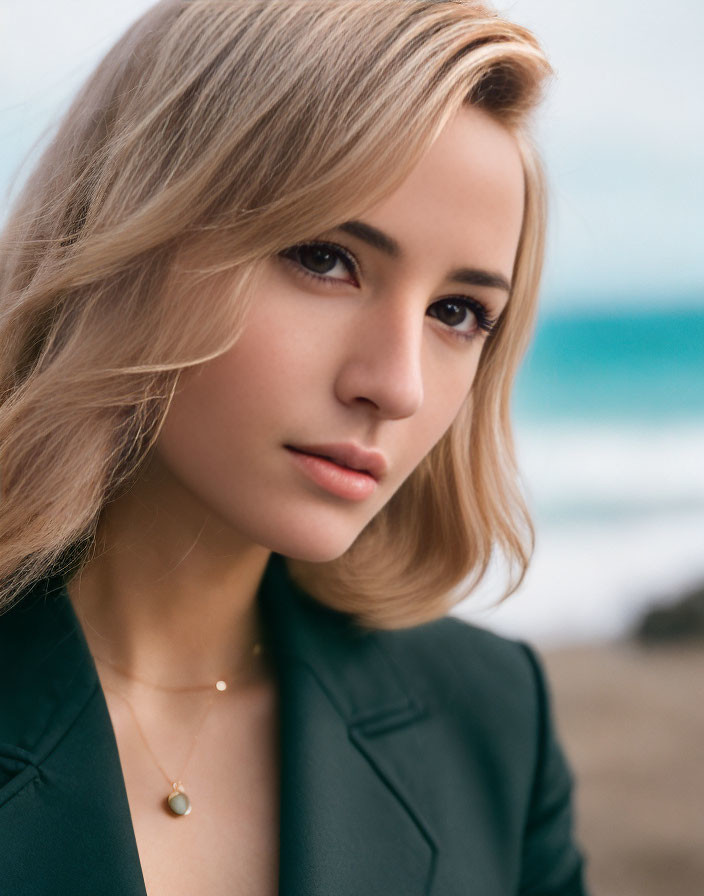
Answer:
(229, 130)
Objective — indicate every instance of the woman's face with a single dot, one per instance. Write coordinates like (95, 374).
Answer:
(369, 335)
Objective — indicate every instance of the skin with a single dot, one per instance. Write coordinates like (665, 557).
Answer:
(170, 595)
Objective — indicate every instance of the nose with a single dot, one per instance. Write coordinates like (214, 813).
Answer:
(382, 363)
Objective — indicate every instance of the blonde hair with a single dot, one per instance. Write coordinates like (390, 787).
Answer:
(225, 131)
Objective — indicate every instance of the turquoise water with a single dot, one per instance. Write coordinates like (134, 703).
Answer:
(615, 366)
(609, 407)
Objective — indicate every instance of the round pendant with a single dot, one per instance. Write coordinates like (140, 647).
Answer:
(178, 802)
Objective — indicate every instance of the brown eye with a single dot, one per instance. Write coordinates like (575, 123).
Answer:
(464, 316)
(318, 259)
(326, 261)
(452, 313)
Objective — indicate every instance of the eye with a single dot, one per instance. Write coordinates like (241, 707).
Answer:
(466, 317)
(324, 261)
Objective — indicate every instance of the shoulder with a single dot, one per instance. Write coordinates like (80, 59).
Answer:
(46, 674)
(484, 695)
(490, 725)
(456, 664)
(469, 644)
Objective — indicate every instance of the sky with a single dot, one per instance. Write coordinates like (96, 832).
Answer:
(621, 131)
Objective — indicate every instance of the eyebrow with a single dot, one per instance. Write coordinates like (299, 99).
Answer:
(377, 239)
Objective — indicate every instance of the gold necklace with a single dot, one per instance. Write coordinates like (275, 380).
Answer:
(178, 802)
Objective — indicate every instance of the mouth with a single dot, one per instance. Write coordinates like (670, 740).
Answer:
(348, 456)
(328, 457)
(333, 476)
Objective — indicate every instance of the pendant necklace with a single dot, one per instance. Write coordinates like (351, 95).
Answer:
(178, 802)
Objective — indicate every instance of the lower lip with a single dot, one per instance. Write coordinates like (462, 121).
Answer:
(341, 481)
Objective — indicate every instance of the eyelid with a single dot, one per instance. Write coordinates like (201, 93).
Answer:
(352, 264)
(484, 319)
(485, 322)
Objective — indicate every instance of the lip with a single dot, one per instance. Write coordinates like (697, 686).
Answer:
(349, 454)
(342, 482)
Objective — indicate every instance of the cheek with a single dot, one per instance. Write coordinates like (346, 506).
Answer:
(244, 384)
(227, 407)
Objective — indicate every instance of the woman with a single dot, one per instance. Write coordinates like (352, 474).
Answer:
(262, 302)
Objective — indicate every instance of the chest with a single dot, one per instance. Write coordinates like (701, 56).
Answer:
(231, 851)
(229, 842)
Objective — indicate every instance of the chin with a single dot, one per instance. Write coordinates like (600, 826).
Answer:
(311, 545)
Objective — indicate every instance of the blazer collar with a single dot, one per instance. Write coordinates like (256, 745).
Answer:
(351, 820)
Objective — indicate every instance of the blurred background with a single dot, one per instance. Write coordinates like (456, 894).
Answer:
(609, 412)
(609, 404)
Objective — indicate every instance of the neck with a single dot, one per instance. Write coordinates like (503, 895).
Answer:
(170, 593)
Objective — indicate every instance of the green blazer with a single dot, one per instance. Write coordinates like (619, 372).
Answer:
(417, 762)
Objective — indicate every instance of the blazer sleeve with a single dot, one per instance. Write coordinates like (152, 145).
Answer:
(552, 864)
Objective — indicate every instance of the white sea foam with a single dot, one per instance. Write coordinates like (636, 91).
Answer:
(605, 468)
(620, 527)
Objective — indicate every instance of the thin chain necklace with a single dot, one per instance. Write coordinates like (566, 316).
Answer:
(178, 802)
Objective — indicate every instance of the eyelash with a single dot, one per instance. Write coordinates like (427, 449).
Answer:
(484, 322)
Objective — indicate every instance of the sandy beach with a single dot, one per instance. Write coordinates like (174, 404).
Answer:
(631, 719)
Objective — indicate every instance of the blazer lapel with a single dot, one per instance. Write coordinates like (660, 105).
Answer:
(65, 821)
(351, 820)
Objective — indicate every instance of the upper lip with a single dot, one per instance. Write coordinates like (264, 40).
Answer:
(349, 454)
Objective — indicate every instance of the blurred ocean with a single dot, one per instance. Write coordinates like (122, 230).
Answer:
(609, 413)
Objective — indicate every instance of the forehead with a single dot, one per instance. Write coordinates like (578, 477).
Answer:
(465, 196)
